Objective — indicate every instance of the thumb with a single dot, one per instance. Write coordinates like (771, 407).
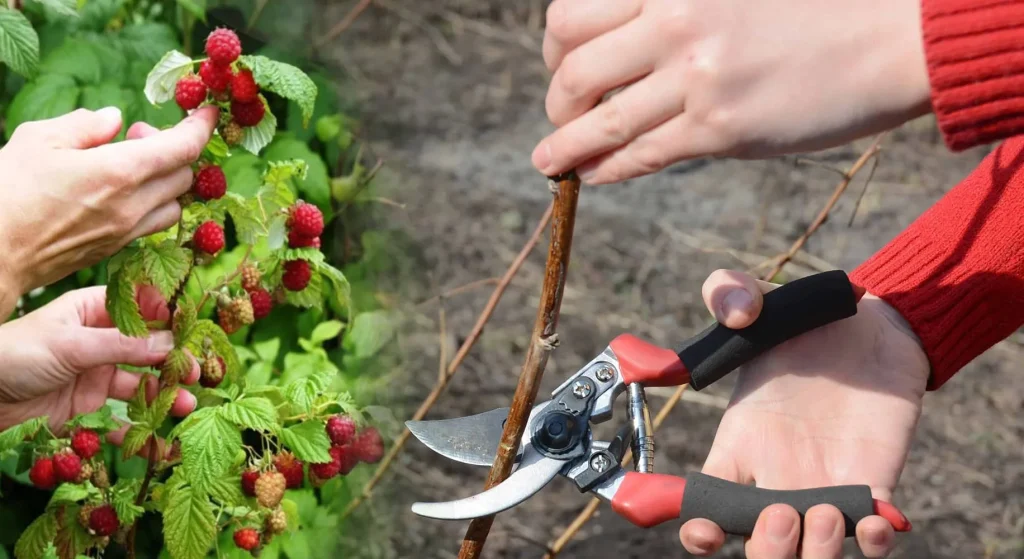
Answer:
(84, 129)
(734, 298)
(86, 348)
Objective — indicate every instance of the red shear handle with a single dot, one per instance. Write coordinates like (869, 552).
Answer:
(788, 311)
(651, 499)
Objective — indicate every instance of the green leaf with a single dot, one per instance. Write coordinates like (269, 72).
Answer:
(253, 413)
(122, 498)
(47, 97)
(216, 149)
(267, 349)
(157, 412)
(308, 441)
(315, 184)
(101, 420)
(227, 489)
(208, 447)
(190, 528)
(72, 493)
(281, 172)
(163, 78)
(285, 80)
(121, 304)
(11, 437)
(310, 297)
(147, 41)
(76, 57)
(37, 537)
(184, 320)
(249, 226)
(340, 288)
(326, 331)
(370, 332)
(304, 391)
(221, 345)
(134, 439)
(166, 266)
(61, 7)
(138, 406)
(195, 7)
(309, 254)
(19, 43)
(257, 137)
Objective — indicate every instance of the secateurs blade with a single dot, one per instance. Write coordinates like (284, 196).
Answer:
(558, 440)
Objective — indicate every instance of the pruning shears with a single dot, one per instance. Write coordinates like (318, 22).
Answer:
(558, 440)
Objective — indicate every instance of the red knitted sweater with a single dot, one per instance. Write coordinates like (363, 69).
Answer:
(957, 273)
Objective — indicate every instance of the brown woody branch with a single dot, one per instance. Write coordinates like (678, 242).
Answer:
(344, 24)
(566, 192)
(460, 356)
(780, 262)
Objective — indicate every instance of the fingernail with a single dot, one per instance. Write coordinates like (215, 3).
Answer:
(190, 398)
(780, 526)
(542, 156)
(737, 300)
(110, 114)
(820, 528)
(586, 174)
(161, 342)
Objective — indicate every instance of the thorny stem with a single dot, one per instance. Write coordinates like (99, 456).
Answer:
(227, 279)
(588, 512)
(544, 337)
(453, 367)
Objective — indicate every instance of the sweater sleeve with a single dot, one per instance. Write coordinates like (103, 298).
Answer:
(976, 68)
(956, 274)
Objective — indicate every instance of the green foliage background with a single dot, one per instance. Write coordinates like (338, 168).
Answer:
(58, 55)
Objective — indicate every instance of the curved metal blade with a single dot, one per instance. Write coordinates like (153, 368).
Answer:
(535, 471)
(470, 440)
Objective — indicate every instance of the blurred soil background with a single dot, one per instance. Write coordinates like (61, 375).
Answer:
(453, 95)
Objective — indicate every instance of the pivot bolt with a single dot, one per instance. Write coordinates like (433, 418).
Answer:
(600, 463)
(581, 389)
(605, 374)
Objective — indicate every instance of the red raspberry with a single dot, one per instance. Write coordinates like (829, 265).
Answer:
(223, 46)
(296, 275)
(325, 471)
(346, 458)
(243, 87)
(291, 468)
(248, 114)
(67, 465)
(103, 520)
(209, 238)
(369, 446)
(306, 220)
(210, 182)
(341, 429)
(247, 538)
(85, 443)
(298, 241)
(249, 478)
(262, 302)
(316, 243)
(42, 474)
(215, 76)
(190, 92)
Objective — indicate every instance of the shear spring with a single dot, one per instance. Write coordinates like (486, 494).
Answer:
(642, 444)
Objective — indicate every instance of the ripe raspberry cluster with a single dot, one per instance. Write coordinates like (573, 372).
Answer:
(223, 80)
(77, 462)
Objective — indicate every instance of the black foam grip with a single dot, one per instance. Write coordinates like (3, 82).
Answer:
(735, 507)
(790, 310)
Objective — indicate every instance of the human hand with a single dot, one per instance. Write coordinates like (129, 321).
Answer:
(61, 360)
(725, 78)
(72, 198)
(836, 406)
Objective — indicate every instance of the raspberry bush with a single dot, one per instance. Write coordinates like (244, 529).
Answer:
(275, 430)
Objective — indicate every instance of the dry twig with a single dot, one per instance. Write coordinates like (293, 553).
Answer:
(460, 356)
(344, 24)
(544, 339)
(585, 515)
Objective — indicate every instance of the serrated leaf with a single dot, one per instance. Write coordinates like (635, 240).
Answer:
(37, 537)
(310, 297)
(51, 552)
(134, 439)
(157, 412)
(221, 345)
(19, 43)
(246, 216)
(11, 437)
(216, 149)
(163, 78)
(253, 413)
(340, 288)
(139, 404)
(121, 304)
(184, 320)
(227, 489)
(176, 367)
(75, 57)
(193, 418)
(101, 420)
(122, 498)
(255, 138)
(309, 254)
(166, 266)
(370, 332)
(281, 172)
(61, 7)
(315, 184)
(285, 80)
(72, 493)
(190, 528)
(308, 441)
(208, 447)
(303, 392)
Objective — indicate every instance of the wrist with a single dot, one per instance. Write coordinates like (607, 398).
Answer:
(892, 316)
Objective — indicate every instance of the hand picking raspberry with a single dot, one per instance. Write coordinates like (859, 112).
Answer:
(92, 196)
